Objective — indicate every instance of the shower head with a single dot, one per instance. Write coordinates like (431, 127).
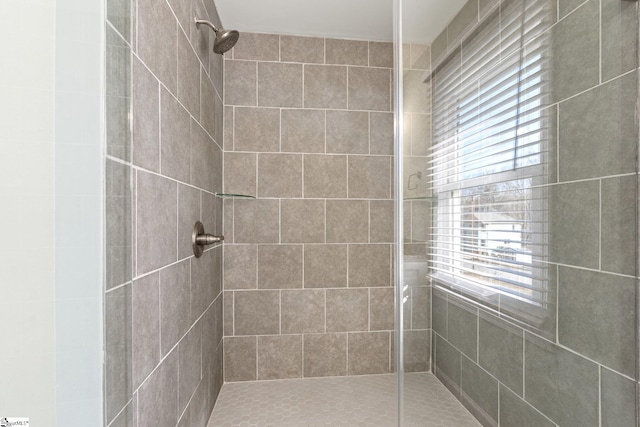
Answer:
(225, 39)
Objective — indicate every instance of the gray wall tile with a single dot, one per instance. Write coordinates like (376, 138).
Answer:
(118, 223)
(618, 401)
(257, 47)
(303, 221)
(567, 6)
(447, 363)
(240, 359)
(369, 177)
(480, 387)
(369, 89)
(420, 307)
(158, 396)
(596, 313)
(303, 311)
(157, 32)
(279, 266)
(156, 234)
(347, 310)
(416, 93)
(279, 85)
(325, 266)
(325, 86)
(346, 52)
(256, 129)
(240, 173)
(501, 351)
(368, 353)
(175, 155)
(188, 76)
(575, 223)
(381, 132)
(619, 38)
(381, 309)
(302, 49)
(576, 51)
(347, 132)
(240, 267)
(380, 54)
(417, 351)
(280, 175)
(420, 56)
(325, 176)
(256, 221)
(241, 83)
(325, 355)
(257, 312)
(118, 351)
(279, 357)
(552, 377)
(381, 221)
(515, 412)
(344, 221)
(146, 118)
(188, 214)
(618, 207)
(604, 113)
(462, 321)
(208, 107)
(439, 316)
(189, 365)
(303, 131)
(175, 304)
(204, 153)
(439, 47)
(205, 280)
(369, 265)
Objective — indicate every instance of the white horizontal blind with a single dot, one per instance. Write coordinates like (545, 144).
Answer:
(489, 160)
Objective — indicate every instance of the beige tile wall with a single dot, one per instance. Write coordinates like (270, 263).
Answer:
(307, 265)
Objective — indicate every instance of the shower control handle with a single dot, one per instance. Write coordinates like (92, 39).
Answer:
(200, 239)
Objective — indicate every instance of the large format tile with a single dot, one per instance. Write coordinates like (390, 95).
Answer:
(370, 177)
(302, 49)
(619, 38)
(596, 317)
(325, 355)
(240, 267)
(257, 312)
(347, 132)
(619, 211)
(118, 350)
(481, 388)
(303, 221)
(561, 384)
(369, 89)
(240, 173)
(240, 359)
(280, 175)
(368, 353)
(462, 319)
(189, 365)
(279, 357)
(346, 52)
(325, 176)
(279, 85)
(256, 129)
(501, 351)
(303, 131)
(188, 214)
(175, 303)
(345, 221)
(257, 47)
(576, 51)
(325, 266)
(256, 221)
(156, 234)
(618, 400)
(145, 112)
(188, 76)
(157, 32)
(574, 219)
(347, 310)
(381, 309)
(447, 364)
(175, 149)
(303, 311)
(325, 86)
(597, 130)
(158, 396)
(515, 412)
(279, 266)
(369, 265)
(241, 83)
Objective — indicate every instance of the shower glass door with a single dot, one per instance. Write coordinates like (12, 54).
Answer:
(517, 186)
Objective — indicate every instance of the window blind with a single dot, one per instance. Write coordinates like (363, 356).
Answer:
(489, 161)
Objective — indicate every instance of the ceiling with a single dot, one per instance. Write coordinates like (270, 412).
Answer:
(422, 20)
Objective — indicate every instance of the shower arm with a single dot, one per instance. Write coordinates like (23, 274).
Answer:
(205, 22)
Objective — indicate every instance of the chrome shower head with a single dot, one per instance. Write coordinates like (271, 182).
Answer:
(225, 39)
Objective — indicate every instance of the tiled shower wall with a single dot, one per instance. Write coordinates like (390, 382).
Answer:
(307, 264)
(582, 369)
(163, 306)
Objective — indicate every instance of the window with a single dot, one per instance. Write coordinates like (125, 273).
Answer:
(489, 165)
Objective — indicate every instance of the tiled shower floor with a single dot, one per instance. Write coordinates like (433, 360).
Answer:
(341, 401)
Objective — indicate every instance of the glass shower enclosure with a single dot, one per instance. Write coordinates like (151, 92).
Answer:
(517, 176)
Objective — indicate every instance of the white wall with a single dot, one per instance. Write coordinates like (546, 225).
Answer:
(27, 256)
(51, 211)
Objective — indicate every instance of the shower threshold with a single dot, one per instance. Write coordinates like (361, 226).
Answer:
(339, 401)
